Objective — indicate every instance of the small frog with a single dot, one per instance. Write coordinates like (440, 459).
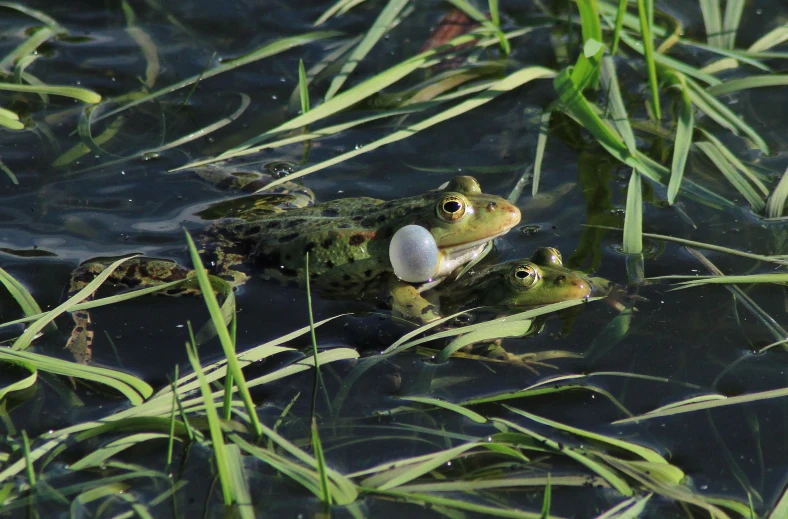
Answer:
(519, 284)
(347, 240)
(516, 286)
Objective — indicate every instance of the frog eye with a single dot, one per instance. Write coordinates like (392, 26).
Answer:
(547, 256)
(525, 276)
(451, 207)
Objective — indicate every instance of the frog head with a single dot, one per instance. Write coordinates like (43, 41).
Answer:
(544, 280)
(460, 219)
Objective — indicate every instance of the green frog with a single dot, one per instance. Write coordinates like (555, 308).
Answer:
(519, 284)
(516, 286)
(348, 241)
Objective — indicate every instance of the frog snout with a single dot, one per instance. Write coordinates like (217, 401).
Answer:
(505, 207)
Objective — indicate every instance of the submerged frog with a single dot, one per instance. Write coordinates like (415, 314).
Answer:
(516, 286)
(347, 240)
(519, 284)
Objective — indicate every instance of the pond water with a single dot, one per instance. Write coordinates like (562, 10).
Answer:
(677, 343)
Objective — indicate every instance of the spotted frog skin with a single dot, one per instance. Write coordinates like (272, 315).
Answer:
(347, 241)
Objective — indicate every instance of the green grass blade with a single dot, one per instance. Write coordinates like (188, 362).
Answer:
(24, 383)
(728, 155)
(541, 145)
(473, 416)
(22, 296)
(736, 85)
(712, 19)
(771, 39)
(735, 177)
(224, 335)
(730, 23)
(775, 206)
(780, 278)
(9, 173)
(633, 218)
(501, 330)
(620, 13)
(240, 482)
(646, 453)
(693, 407)
(214, 425)
(378, 28)
(507, 84)
(130, 386)
(479, 17)
(491, 326)
(427, 500)
(616, 103)
(709, 246)
(325, 491)
(27, 47)
(723, 115)
(24, 340)
(608, 474)
(684, 130)
(11, 124)
(646, 15)
(82, 94)
(340, 6)
(780, 509)
(303, 88)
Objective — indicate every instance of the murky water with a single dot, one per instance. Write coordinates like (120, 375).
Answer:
(692, 341)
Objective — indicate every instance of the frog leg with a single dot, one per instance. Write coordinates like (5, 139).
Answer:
(134, 273)
(409, 304)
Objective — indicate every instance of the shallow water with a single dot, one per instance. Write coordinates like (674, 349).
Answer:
(691, 342)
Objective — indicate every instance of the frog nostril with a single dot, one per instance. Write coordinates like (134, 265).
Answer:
(492, 206)
(560, 279)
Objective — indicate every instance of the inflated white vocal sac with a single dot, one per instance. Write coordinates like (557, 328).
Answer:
(414, 254)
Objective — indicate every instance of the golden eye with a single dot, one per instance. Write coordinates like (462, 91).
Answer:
(525, 276)
(451, 207)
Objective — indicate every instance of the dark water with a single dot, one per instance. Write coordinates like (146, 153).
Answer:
(696, 341)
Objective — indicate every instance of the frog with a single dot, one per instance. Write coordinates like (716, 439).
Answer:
(347, 241)
(515, 286)
(518, 285)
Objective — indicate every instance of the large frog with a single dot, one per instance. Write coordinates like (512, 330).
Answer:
(347, 240)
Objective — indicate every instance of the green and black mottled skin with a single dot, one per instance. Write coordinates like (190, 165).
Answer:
(269, 234)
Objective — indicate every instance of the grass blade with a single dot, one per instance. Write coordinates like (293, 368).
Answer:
(684, 131)
(379, 27)
(325, 492)
(736, 85)
(23, 297)
(471, 415)
(214, 425)
(730, 23)
(723, 115)
(541, 144)
(616, 103)
(224, 335)
(646, 16)
(775, 206)
(303, 88)
(82, 94)
(633, 218)
(771, 39)
(507, 84)
(712, 19)
(734, 177)
(620, 13)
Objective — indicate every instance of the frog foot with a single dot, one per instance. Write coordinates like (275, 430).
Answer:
(409, 304)
(496, 351)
